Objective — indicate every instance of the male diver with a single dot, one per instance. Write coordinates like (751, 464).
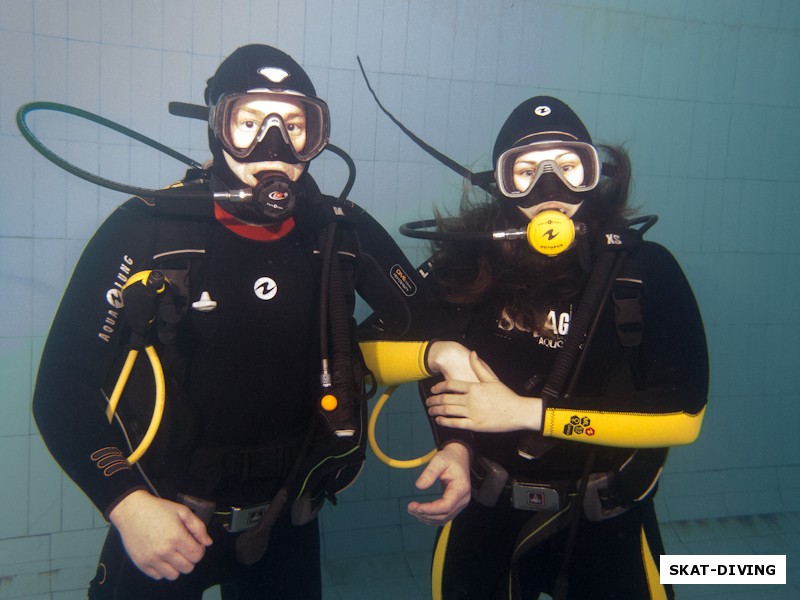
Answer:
(261, 389)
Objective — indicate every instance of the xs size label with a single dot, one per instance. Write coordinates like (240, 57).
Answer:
(723, 568)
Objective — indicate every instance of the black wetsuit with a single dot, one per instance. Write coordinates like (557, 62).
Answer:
(648, 395)
(242, 379)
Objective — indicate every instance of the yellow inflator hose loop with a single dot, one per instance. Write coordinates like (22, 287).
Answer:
(122, 380)
(158, 409)
(373, 443)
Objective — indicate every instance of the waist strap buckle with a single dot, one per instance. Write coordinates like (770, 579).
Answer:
(242, 519)
(602, 501)
(534, 496)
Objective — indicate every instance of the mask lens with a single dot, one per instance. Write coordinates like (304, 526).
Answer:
(242, 121)
(575, 163)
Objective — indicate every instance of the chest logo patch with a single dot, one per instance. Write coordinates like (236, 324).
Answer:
(265, 288)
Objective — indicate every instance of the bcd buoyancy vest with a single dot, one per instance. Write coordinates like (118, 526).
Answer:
(326, 461)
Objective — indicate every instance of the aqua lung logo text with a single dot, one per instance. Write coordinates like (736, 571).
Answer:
(550, 235)
(554, 344)
(579, 426)
(265, 288)
(114, 299)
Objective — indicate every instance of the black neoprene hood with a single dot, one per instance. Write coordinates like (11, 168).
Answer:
(258, 66)
(251, 67)
(537, 119)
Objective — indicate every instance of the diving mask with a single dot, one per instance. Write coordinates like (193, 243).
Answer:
(242, 121)
(576, 164)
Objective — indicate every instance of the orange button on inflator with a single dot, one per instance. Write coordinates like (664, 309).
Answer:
(329, 402)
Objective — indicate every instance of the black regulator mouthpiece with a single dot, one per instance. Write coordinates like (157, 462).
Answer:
(273, 200)
(276, 197)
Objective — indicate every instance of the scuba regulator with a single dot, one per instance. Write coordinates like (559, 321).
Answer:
(550, 232)
(276, 198)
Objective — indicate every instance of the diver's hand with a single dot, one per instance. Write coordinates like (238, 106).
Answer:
(488, 406)
(163, 538)
(451, 466)
(451, 359)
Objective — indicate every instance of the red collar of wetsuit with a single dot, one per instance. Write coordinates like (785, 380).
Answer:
(259, 233)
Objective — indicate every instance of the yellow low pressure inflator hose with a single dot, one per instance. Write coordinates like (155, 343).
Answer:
(373, 443)
(158, 409)
(153, 282)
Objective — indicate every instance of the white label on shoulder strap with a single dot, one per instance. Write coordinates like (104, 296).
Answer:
(402, 280)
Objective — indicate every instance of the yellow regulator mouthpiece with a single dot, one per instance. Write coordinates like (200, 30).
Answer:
(551, 232)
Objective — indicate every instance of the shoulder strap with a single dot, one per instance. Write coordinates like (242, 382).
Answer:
(181, 253)
(626, 293)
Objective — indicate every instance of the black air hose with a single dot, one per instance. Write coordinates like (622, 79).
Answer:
(342, 360)
(591, 301)
(335, 346)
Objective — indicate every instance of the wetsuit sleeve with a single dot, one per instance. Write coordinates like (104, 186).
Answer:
(395, 362)
(632, 430)
(81, 352)
(650, 396)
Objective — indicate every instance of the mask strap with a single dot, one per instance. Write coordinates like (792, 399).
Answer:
(190, 111)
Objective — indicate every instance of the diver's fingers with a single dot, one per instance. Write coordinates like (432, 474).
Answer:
(456, 422)
(450, 399)
(447, 409)
(161, 570)
(439, 511)
(430, 513)
(452, 386)
(429, 476)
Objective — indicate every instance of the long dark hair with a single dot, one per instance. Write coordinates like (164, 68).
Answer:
(510, 273)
